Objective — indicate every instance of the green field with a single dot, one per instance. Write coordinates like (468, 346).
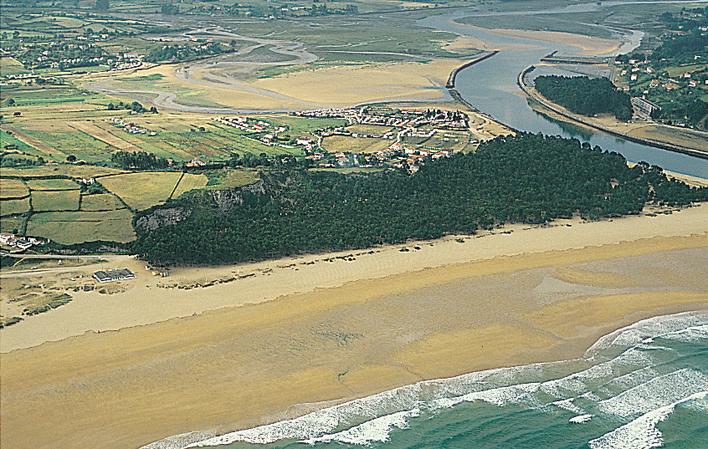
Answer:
(11, 224)
(12, 188)
(142, 190)
(305, 126)
(11, 66)
(11, 207)
(70, 228)
(55, 201)
(100, 202)
(229, 179)
(52, 184)
(7, 140)
(74, 171)
(190, 182)
(368, 129)
(335, 144)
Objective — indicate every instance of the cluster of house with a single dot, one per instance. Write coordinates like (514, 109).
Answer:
(19, 243)
(393, 117)
(266, 133)
(130, 128)
(638, 70)
(396, 155)
(124, 61)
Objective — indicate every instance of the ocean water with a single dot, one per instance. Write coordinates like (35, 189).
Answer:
(643, 386)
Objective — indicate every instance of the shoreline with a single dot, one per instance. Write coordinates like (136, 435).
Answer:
(191, 291)
(576, 119)
(376, 408)
(359, 339)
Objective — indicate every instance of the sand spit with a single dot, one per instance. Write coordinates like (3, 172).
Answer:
(376, 321)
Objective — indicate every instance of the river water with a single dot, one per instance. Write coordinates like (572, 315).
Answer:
(490, 86)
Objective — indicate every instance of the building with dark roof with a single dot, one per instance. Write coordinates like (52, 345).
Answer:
(120, 274)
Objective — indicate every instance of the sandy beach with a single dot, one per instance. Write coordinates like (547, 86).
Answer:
(323, 329)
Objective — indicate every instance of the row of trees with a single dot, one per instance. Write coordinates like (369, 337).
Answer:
(527, 178)
(584, 95)
(134, 106)
(174, 53)
(139, 160)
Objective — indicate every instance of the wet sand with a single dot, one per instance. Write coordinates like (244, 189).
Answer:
(501, 300)
(150, 299)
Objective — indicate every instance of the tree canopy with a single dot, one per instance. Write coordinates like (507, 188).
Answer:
(584, 95)
(528, 178)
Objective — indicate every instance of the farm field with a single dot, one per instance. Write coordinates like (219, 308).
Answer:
(189, 182)
(100, 202)
(52, 184)
(55, 200)
(70, 228)
(368, 129)
(337, 143)
(11, 207)
(70, 170)
(229, 179)
(12, 188)
(142, 190)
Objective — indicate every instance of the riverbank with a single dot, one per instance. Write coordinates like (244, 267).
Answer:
(610, 126)
(364, 322)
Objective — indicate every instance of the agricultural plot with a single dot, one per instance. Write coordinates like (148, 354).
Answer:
(190, 182)
(65, 141)
(73, 171)
(368, 129)
(52, 184)
(142, 190)
(104, 135)
(11, 207)
(335, 144)
(305, 127)
(100, 202)
(11, 66)
(229, 179)
(71, 228)
(62, 200)
(9, 141)
(447, 140)
(12, 188)
(11, 224)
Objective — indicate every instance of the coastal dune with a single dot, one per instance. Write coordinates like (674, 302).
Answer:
(237, 367)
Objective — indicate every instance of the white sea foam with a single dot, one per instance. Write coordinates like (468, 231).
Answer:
(580, 419)
(375, 416)
(495, 396)
(662, 326)
(641, 433)
(655, 393)
(567, 404)
(375, 431)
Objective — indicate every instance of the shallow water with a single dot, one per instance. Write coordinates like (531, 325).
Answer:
(640, 387)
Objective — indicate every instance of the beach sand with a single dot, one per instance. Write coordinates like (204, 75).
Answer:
(382, 320)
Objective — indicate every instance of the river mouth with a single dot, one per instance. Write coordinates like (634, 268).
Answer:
(491, 87)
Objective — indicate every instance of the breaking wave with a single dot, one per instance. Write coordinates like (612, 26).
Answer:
(624, 379)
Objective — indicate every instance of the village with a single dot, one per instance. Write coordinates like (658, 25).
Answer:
(406, 131)
(656, 86)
